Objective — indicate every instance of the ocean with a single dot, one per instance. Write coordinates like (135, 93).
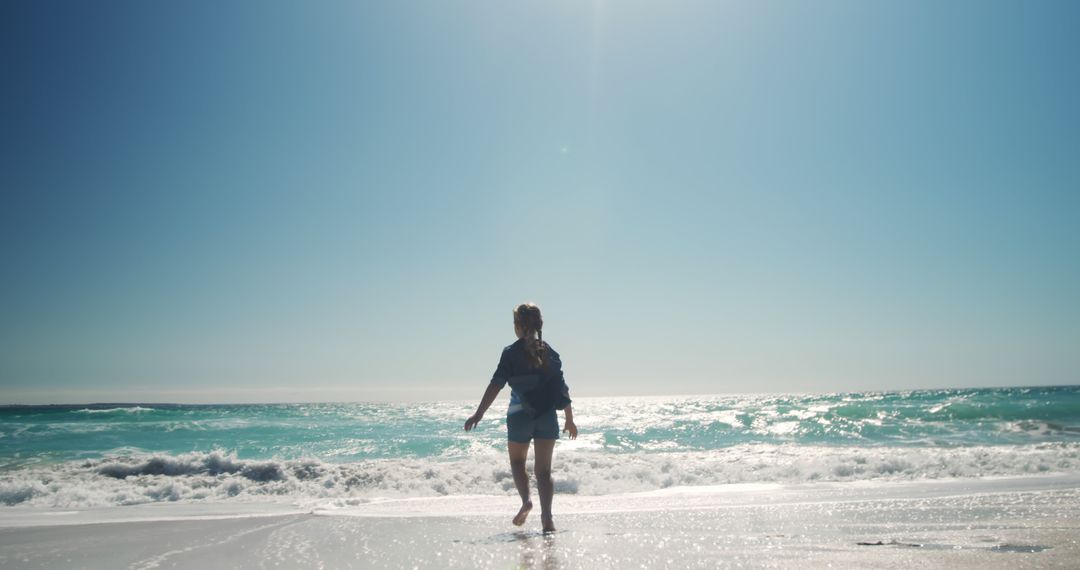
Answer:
(348, 454)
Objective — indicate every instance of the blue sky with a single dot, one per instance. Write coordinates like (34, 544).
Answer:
(253, 201)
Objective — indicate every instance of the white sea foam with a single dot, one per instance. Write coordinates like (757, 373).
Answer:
(135, 478)
(125, 409)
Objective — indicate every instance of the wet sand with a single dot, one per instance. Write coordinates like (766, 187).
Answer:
(1031, 522)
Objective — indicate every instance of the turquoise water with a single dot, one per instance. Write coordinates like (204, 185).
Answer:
(353, 432)
(65, 455)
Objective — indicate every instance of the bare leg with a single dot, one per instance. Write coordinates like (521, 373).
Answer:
(543, 449)
(519, 452)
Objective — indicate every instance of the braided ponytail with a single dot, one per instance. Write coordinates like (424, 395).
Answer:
(527, 317)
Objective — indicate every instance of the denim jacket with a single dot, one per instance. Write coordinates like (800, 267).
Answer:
(534, 391)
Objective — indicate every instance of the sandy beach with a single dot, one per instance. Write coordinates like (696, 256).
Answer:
(1022, 522)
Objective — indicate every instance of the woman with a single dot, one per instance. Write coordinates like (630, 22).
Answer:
(537, 389)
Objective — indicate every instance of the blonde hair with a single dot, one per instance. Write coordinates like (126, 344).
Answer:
(527, 317)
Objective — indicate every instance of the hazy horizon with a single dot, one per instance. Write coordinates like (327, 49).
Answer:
(203, 397)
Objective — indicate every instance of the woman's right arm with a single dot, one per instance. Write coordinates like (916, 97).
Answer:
(485, 403)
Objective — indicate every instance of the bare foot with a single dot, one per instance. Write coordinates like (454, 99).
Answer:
(523, 513)
(549, 525)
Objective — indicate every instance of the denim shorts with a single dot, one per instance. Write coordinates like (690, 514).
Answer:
(521, 428)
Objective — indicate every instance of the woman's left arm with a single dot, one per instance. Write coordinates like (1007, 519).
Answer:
(569, 427)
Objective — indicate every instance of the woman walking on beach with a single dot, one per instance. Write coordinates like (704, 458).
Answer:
(537, 389)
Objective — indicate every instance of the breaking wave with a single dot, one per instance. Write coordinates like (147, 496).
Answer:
(120, 410)
(136, 478)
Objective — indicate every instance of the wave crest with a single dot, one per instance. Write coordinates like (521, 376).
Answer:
(134, 478)
(117, 410)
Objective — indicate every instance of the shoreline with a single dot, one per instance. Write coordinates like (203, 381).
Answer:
(678, 498)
